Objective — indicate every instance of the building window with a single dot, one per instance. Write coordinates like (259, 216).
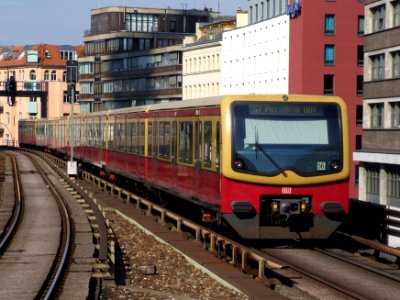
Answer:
(373, 180)
(360, 27)
(358, 142)
(359, 85)
(395, 114)
(32, 75)
(359, 115)
(262, 10)
(376, 115)
(53, 75)
(393, 182)
(360, 55)
(396, 64)
(329, 54)
(257, 13)
(328, 84)
(141, 22)
(172, 25)
(329, 24)
(396, 13)
(46, 75)
(378, 18)
(378, 66)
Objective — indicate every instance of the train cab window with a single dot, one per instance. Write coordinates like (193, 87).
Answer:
(207, 145)
(164, 140)
(185, 143)
(269, 138)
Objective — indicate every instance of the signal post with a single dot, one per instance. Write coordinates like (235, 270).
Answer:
(72, 79)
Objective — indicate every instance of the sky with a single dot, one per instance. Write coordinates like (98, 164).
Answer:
(63, 22)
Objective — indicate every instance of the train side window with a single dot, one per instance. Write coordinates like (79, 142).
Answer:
(96, 134)
(185, 143)
(111, 135)
(121, 136)
(131, 139)
(218, 147)
(141, 138)
(116, 135)
(103, 135)
(164, 140)
(150, 139)
(89, 135)
(173, 141)
(207, 145)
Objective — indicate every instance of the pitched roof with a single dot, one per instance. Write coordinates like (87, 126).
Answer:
(47, 55)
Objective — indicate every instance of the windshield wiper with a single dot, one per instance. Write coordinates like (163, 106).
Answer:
(257, 146)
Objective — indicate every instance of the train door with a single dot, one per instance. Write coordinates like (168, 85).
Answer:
(98, 139)
(174, 134)
(165, 164)
(120, 143)
(186, 161)
(209, 140)
(131, 145)
(108, 155)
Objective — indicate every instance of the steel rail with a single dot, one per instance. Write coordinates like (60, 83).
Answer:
(12, 225)
(50, 287)
(360, 265)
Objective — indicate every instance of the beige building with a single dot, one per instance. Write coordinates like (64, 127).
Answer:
(201, 74)
(40, 74)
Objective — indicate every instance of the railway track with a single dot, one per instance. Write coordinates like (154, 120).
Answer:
(67, 258)
(14, 213)
(25, 240)
(352, 276)
(291, 272)
(266, 267)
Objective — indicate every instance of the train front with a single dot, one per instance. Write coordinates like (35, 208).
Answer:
(285, 166)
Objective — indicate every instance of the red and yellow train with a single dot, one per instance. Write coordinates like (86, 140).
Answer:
(266, 166)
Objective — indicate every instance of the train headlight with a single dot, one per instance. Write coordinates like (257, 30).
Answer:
(239, 164)
(335, 165)
(303, 207)
(275, 206)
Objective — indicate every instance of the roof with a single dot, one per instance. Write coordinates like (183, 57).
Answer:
(47, 55)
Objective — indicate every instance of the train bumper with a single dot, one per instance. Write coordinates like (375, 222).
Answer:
(312, 227)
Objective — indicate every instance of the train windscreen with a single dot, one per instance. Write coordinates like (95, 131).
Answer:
(271, 137)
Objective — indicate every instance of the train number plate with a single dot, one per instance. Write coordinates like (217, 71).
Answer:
(286, 190)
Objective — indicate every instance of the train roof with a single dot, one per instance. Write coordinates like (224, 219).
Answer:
(192, 103)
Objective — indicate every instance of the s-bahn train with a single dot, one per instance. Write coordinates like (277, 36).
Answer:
(266, 166)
